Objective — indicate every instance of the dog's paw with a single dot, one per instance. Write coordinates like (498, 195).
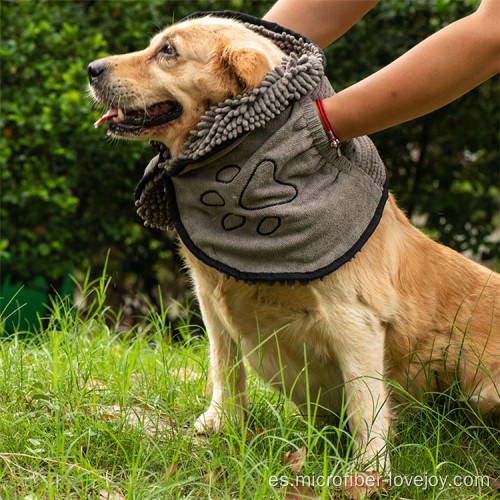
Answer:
(375, 456)
(210, 421)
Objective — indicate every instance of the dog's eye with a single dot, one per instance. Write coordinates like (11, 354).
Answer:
(168, 50)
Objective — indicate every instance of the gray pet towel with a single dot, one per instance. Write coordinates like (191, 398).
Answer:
(258, 192)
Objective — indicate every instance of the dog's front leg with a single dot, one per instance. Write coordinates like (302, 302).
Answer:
(226, 370)
(361, 357)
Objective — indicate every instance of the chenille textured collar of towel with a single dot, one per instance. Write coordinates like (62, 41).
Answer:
(257, 192)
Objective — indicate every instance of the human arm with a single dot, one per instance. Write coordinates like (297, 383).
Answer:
(322, 21)
(435, 72)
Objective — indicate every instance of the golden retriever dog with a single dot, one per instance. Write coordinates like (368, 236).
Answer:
(406, 309)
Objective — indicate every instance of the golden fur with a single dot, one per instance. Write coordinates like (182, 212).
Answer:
(406, 308)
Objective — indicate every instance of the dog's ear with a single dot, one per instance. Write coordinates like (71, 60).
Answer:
(242, 66)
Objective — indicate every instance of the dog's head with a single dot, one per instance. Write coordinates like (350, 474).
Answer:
(161, 92)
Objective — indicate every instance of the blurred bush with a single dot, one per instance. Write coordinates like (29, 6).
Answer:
(67, 191)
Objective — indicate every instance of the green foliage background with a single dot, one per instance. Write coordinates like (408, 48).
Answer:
(67, 191)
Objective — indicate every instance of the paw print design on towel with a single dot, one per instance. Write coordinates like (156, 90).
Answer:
(262, 190)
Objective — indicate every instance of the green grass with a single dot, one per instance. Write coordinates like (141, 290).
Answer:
(86, 410)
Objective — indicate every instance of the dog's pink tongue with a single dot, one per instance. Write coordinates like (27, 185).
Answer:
(110, 114)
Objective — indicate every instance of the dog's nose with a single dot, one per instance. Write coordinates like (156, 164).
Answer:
(96, 69)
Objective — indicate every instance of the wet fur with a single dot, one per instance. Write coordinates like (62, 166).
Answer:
(406, 308)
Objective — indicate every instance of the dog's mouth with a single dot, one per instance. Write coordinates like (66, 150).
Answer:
(133, 121)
